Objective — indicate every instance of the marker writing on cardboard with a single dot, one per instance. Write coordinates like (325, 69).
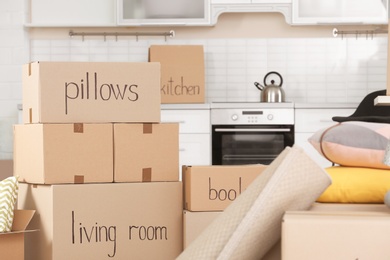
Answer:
(88, 89)
(180, 89)
(93, 234)
(224, 194)
(148, 232)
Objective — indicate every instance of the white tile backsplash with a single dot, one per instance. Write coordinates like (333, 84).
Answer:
(315, 70)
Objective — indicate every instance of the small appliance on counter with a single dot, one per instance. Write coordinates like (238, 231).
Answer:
(271, 92)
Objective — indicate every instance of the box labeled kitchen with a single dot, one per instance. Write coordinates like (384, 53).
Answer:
(208, 188)
(91, 92)
(146, 152)
(335, 235)
(12, 243)
(104, 221)
(182, 72)
(63, 153)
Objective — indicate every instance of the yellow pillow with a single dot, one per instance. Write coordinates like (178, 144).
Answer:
(356, 185)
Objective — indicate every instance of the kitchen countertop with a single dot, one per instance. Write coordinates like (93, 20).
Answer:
(325, 105)
(185, 106)
(296, 105)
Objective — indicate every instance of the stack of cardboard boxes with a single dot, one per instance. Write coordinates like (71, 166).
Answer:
(96, 164)
(208, 190)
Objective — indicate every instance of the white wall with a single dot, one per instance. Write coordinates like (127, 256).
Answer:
(241, 49)
(14, 51)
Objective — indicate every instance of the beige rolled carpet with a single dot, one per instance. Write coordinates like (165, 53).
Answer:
(251, 225)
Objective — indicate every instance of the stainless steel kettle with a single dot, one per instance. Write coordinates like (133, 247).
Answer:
(271, 92)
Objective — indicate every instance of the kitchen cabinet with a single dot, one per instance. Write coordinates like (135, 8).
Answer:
(249, 1)
(111, 13)
(317, 12)
(219, 7)
(158, 13)
(310, 120)
(59, 13)
(194, 134)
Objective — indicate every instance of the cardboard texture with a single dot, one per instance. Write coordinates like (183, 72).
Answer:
(213, 188)
(194, 223)
(182, 72)
(63, 153)
(104, 221)
(335, 235)
(12, 243)
(91, 92)
(6, 169)
(146, 152)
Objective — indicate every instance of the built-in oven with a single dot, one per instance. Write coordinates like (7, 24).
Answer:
(250, 133)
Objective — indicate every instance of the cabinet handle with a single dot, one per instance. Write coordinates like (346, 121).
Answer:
(182, 150)
(253, 130)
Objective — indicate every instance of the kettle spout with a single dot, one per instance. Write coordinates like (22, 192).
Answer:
(259, 86)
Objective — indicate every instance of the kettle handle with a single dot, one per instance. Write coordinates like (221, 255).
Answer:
(273, 72)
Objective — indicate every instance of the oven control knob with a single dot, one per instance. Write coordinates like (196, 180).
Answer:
(270, 116)
(234, 117)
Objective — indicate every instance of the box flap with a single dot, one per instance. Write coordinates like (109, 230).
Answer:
(21, 219)
(327, 214)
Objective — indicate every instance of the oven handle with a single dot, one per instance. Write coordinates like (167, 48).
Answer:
(253, 130)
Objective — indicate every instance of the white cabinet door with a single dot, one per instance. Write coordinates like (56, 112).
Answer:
(159, 12)
(312, 120)
(190, 121)
(249, 1)
(195, 149)
(313, 12)
(72, 13)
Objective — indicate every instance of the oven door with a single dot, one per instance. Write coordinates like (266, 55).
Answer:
(249, 144)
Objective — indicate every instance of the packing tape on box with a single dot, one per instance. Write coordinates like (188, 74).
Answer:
(148, 128)
(78, 128)
(30, 115)
(146, 174)
(78, 179)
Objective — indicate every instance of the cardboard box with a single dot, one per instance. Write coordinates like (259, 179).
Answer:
(335, 235)
(213, 188)
(146, 152)
(63, 153)
(12, 243)
(6, 169)
(91, 92)
(104, 221)
(195, 222)
(182, 72)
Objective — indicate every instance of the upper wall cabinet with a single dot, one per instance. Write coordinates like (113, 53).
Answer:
(160, 13)
(317, 12)
(219, 7)
(111, 13)
(58, 13)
